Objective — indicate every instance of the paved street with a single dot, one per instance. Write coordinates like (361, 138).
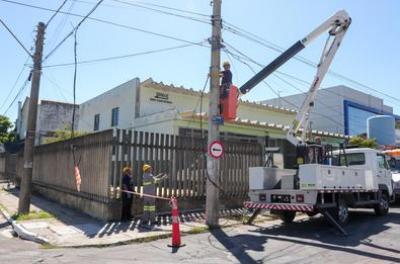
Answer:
(372, 240)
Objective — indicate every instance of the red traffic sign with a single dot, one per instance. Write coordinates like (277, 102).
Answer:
(216, 149)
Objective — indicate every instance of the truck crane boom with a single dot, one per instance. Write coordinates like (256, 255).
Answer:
(336, 26)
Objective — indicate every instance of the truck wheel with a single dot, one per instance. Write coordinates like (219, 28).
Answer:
(341, 212)
(287, 216)
(383, 207)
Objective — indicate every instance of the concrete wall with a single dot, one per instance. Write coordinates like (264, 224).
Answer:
(51, 116)
(122, 96)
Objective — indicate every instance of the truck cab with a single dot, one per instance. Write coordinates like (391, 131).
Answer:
(368, 159)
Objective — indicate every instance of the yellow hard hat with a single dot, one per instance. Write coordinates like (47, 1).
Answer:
(146, 167)
(126, 169)
(226, 63)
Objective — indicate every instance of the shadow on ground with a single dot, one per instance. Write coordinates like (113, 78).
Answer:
(92, 227)
(316, 232)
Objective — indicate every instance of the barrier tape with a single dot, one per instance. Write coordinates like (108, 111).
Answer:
(147, 195)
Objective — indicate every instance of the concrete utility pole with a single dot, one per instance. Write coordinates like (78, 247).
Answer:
(26, 180)
(212, 203)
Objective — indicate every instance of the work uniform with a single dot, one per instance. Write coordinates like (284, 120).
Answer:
(149, 203)
(226, 83)
(127, 198)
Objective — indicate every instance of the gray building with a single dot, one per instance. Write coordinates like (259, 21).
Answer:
(339, 109)
(51, 116)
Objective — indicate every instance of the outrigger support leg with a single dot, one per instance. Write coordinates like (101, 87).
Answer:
(333, 222)
(252, 217)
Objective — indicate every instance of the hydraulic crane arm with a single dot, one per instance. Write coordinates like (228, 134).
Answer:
(336, 26)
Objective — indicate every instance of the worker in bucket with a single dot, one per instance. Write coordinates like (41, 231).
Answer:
(226, 80)
(149, 188)
(127, 198)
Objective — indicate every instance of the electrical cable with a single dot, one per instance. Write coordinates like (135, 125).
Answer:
(15, 37)
(19, 92)
(107, 22)
(161, 11)
(15, 84)
(123, 56)
(276, 93)
(261, 41)
(73, 30)
(55, 13)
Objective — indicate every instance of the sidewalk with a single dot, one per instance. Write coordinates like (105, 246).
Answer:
(69, 228)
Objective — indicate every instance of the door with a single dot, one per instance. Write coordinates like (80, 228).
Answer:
(383, 172)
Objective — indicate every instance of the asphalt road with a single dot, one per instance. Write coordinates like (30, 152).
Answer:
(371, 240)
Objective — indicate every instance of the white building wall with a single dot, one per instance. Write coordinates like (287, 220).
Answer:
(328, 111)
(123, 96)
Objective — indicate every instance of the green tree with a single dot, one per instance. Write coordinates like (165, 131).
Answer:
(6, 133)
(63, 134)
(363, 142)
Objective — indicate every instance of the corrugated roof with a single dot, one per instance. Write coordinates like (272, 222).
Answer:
(256, 123)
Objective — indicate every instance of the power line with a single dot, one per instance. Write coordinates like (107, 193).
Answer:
(107, 22)
(15, 84)
(73, 30)
(122, 56)
(18, 94)
(15, 37)
(277, 94)
(261, 41)
(158, 11)
(175, 9)
(60, 26)
(55, 13)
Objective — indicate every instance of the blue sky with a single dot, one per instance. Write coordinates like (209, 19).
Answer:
(369, 53)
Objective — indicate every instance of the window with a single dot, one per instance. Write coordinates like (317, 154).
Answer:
(381, 161)
(352, 159)
(114, 116)
(96, 122)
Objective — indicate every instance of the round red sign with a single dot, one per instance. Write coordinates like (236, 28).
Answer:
(216, 149)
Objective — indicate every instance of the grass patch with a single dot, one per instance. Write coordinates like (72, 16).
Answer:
(197, 230)
(48, 246)
(32, 215)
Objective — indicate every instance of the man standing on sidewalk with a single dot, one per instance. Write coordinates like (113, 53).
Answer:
(127, 198)
(149, 203)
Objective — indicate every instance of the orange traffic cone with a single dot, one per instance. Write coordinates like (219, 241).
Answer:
(176, 233)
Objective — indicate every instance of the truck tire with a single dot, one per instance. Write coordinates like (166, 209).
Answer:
(383, 207)
(287, 216)
(341, 212)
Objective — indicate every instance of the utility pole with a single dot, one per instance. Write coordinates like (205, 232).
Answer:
(26, 180)
(212, 195)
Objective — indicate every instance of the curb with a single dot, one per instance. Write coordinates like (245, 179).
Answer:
(21, 231)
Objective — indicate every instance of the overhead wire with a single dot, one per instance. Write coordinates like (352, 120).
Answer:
(56, 12)
(107, 22)
(124, 56)
(19, 93)
(15, 84)
(15, 37)
(275, 92)
(73, 30)
(261, 41)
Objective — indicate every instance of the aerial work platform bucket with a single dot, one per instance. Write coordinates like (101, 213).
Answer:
(229, 104)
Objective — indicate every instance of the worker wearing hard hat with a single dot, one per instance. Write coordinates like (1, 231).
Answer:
(149, 188)
(127, 198)
(226, 80)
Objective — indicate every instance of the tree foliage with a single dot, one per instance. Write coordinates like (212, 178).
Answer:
(363, 142)
(6, 133)
(63, 134)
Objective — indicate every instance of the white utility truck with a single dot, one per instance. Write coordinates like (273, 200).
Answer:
(325, 181)
(393, 157)
(366, 181)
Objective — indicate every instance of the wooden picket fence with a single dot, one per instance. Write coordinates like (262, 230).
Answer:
(183, 159)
